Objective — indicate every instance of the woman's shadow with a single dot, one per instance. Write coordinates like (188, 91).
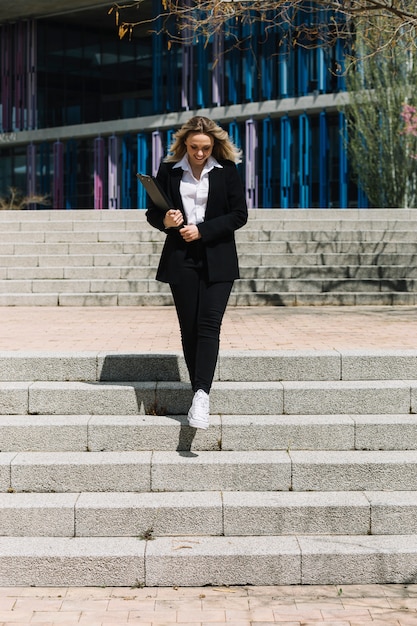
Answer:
(185, 440)
(124, 368)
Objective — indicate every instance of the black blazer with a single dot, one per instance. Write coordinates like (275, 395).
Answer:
(226, 211)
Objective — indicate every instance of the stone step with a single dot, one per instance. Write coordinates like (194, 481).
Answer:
(257, 286)
(260, 247)
(320, 232)
(314, 272)
(63, 472)
(119, 433)
(306, 285)
(359, 258)
(248, 260)
(353, 259)
(128, 273)
(232, 366)
(261, 216)
(86, 272)
(144, 471)
(295, 298)
(199, 561)
(88, 286)
(317, 560)
(208, 513)
(86, 299)
(235, 398)
(43, 233)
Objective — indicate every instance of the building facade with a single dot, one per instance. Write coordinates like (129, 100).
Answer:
(82, 111)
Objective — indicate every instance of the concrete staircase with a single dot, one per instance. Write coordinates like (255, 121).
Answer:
(287, 257)
(307, 474)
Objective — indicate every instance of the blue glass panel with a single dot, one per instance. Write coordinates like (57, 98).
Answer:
(233, 74)
(267, 159)
(250, 31)
(45, 168)
(236, 136)
(99, 169)
(234, 132)
(286, 149)
(202, 75)
(71, 174)
(143, 153)
(324, 161)
(127, 172)
(322, 70)
(170, 138)
(287, 70)
(341, 52)
(58, 180)
(231, 80)
(343, 163)
(268, 59)
(157, 57)
(173, 80)
(304, 56)
(303, 71)
(305, 161)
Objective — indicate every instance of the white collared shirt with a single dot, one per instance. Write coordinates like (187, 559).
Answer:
(194, 193)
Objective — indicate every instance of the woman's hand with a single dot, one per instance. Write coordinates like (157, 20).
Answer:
(173, 218)
(190, 233)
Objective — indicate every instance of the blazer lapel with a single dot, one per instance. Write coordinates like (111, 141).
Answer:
(215, 196)
(176, 175)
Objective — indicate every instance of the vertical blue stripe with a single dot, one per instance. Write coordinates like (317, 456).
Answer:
(303, 71)
(286, 149)
(305, 161)
(267, 53)
(267, 158)
(324, 161)
(233, 63)
(113, 172)
(58, 181)
(31, 172)
(99, 156)
(234, 132)
(202, 75)
(170, 138)
(249, 30)
(343, 163)
(45, 168)
(142, 146)
(71, 174)
(157, 57)
(127, 173)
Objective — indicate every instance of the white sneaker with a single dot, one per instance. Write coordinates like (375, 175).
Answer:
(198, 415)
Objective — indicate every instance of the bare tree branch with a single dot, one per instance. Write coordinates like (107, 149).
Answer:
(314, 23)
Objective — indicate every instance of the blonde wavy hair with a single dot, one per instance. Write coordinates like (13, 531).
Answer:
(223, 147)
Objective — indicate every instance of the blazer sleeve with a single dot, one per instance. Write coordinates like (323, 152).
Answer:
(226, 206)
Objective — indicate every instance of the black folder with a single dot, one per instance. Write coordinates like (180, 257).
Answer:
(155, 192)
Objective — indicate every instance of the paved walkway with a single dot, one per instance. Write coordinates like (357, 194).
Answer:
(355, 605)
(143, 329)
(253, 328)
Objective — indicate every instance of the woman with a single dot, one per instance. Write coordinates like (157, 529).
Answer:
(199, 258)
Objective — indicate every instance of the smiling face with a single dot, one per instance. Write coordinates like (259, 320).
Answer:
(199, 148)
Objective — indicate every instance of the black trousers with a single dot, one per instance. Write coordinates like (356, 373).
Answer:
(200, 307)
